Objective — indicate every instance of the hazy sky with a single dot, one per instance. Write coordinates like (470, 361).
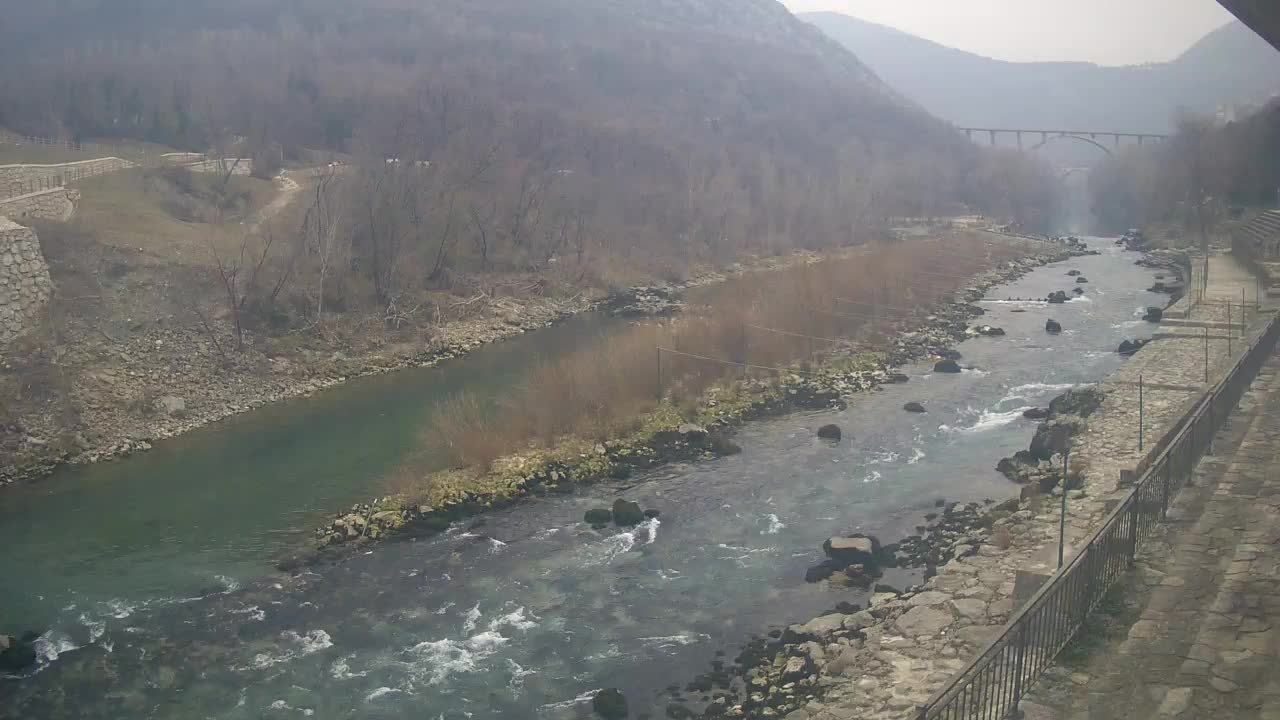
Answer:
(1110, 32)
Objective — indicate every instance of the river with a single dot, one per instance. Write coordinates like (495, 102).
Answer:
(522, 613)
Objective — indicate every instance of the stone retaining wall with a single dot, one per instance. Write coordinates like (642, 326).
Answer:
(55, 204)
(25, 286)
(26, 179)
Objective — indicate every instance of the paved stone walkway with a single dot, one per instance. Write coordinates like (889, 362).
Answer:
(1205, 592)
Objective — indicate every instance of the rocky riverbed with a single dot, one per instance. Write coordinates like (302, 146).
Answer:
(882, 662)
(668, 435)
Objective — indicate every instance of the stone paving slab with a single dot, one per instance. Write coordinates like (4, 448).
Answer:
(1206, 592)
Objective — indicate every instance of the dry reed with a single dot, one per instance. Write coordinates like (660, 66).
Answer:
(775, 319)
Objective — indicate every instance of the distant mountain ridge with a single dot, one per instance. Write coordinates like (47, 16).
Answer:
(1229, 65)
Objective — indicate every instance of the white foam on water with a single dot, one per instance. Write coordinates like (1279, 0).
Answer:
(991, 420)
(282, 705)
(872, 477)
(293, 645)
(50, 645)
(774, 525)
(672, 641)
(229, 585)
(120, 609)
(469, 620)
(381, 692)
(518, 674)
(444, 608)
(916, 456)
(884, 456)
(438, 660)
(253, 612)
(97, 628)
(514, 619)
(1023, 392)
(585, 697)
(495, 545)
(341, 670)
(650, 526)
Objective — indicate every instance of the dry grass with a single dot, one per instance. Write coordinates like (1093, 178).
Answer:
(137, 209)
(778, 319)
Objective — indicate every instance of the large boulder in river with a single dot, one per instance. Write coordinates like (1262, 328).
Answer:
(598, 517)
(1053, 438)
(610, 704)
(1082, 401)
(1154, 315)
(989, 331)
(950, 354)
(626, 512)
(914, 407)
(1082, 279)
(1036, 413)
(1057, 298)
(946, 366)
(830, 432)
(855, 550)
(1053, 327)
(1129, 347)
(17, 654)
(1073, 273)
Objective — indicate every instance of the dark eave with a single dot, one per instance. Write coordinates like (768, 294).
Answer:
(1263, 16)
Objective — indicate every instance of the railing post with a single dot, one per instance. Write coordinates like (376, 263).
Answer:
(1019, 666)
(1133, 529)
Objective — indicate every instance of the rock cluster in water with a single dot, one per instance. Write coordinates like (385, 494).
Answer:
(1039, 466)
(647, 301)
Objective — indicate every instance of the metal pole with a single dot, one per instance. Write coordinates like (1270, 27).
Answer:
(1206, 355)
(1141, 414)
(1230, 330)
(659, 374)
(1062, 522)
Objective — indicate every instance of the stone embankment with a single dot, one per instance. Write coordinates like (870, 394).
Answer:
(457, 495)
(56, 203)
(883, 662)
(27, 178)
(24, 280)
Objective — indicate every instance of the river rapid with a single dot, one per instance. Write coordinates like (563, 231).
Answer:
(525, 612)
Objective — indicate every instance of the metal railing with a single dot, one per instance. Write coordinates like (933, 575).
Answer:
(992, 684)
(62, 177)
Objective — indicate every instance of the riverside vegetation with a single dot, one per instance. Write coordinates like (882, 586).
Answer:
(761, 347)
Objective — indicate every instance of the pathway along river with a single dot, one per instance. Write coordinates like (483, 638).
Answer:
(527, 611)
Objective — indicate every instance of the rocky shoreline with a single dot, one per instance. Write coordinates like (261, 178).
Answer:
(879, 662)
(666, 435)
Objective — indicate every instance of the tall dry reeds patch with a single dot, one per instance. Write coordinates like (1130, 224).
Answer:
(769, 320)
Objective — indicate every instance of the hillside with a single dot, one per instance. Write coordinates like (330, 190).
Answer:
(650, 111)
(1230, 65)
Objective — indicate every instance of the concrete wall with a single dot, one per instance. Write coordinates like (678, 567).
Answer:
(55, 204)
(23, 179)
(25, 286)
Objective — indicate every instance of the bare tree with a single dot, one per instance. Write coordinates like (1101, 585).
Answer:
(323, 231)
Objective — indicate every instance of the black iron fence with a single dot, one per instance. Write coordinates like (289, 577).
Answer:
(992, 684)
